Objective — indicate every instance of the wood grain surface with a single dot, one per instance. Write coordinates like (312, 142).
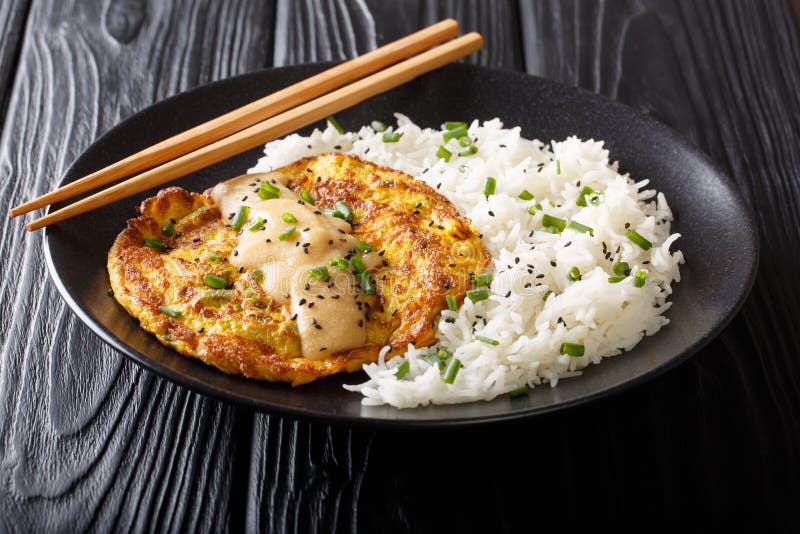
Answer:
(89, 441)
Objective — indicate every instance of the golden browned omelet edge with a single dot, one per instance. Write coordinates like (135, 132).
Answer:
(428, 248)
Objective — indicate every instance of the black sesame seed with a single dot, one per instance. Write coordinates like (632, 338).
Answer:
(361, 322)
(508, 294)
(491, 213)
(306, 286)
(553, 264)
(568, 243)
(310, 305)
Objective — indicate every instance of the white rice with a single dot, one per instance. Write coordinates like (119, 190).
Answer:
(606, 318)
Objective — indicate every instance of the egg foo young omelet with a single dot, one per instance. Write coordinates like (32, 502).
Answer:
(295, 274)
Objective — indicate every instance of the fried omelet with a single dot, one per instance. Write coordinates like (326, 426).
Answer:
(177, 269)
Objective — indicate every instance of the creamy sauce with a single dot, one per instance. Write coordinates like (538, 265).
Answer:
(328, 313)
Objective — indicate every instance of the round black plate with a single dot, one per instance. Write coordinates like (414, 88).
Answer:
(719, 239)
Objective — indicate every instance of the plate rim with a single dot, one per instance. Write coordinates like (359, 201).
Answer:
(226, 395)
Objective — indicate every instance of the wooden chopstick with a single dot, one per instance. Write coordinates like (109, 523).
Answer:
(251, 113)
(274, 127)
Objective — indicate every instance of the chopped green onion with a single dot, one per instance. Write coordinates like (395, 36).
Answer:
(574, 274)
(255, 225)
(522, 390)
(455, 133)
(155, 243)
(305, 195)
(214, 258)
(482, 279)
(547, 294)
(452, 125)
(472, 149)
(378, 126)
(581, 201)
(268, 191)
(287, 233)
(288, 217)
(217, 282)
(363, 247)
(622, 268)
(463, 168)
(438, 358)
(168, 229)
(402, 369)
(477, 295)
(443, 153)
(488, 188)
(358, 264)
(318, 272)
(451, 371)
(526, 195)
(258, 275)
(465, 141)
(637, 238)
(335, 123)
(616, 279)
(548, 221)
(340, 263)
(558, 166)
(452, 303)
(487, 340)
(572, 349)
(639, 277)
(342, 211)
(241, 217)
(366, 283)
(170, 312)
(578, 227)
(532, 209)
(391, 137)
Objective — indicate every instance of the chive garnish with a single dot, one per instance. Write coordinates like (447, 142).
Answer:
(452, 303)
(318, 272)
(402, 369)
(391, 137)
(616, 279)
(305, 195)
(622, 268)
(487, 340)
(342, 211)
(578, 227)
(574, 274)
(168, 229)
(155, 243)
(455, 133)
(581, 201)
(572, 349)
(256, 224)
(340, 263)
(366, 283)
(363, 247)
(469, 151)
(358, 264)
(214, 258)
(438, 358)
(482, 279)
(522, 390)
(288, 217)
(548, 221)
(526, 195)
(241, 217)
(443, 153)
(451, 371)
(558, 166)
(258, 275)
(287, 233)
(335, 123)
(170, 312)
(639, 277)
(547, 294)
(378, 126)
(452, 125)
(477, 295)
(465, 141)
(268, 191)
(217, 282)
(533, 208)
(637, 238)
(489, 187)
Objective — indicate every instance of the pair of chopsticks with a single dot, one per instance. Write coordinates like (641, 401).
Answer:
(265, 119)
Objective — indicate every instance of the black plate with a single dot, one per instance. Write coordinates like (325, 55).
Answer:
(719, 238)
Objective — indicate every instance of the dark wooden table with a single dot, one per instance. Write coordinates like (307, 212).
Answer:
(90, 441)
